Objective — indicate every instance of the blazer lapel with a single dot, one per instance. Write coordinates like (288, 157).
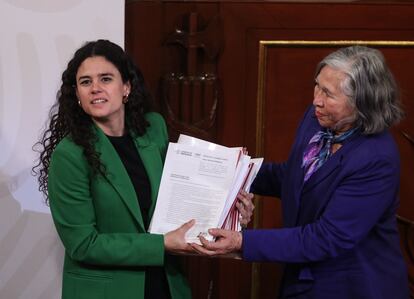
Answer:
(151, 158)
(326, 169)
(291, 208)
(333, 162)
(117, 175)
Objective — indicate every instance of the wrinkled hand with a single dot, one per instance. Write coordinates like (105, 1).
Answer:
(245, 206)
(228, 241)
(174, 241)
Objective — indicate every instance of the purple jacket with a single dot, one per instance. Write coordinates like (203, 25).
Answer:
(340, 237)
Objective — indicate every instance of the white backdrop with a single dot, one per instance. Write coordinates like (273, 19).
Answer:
(38, 37)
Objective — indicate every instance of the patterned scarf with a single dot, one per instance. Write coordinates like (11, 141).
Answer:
(319, 149)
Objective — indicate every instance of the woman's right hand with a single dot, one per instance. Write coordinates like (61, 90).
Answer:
(174, 241)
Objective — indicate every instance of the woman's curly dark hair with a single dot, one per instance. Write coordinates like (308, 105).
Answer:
(67, 118)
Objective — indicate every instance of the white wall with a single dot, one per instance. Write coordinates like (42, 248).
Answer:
(37, 39)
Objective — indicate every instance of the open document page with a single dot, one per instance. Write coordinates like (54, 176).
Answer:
(194, 185)
(201, 181)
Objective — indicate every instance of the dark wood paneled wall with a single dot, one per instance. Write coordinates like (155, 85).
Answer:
(262, 90)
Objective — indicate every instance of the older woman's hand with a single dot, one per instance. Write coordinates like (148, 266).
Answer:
(245, 206)
(227, 241)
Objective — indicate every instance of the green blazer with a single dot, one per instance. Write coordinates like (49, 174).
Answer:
(99, 221)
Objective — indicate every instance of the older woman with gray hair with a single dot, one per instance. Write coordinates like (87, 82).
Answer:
(339, 190)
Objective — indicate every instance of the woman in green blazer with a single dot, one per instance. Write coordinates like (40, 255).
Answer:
(100, 166)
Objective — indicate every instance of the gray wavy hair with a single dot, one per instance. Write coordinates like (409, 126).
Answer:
(369, 85)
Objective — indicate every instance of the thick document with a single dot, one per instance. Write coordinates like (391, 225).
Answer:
(200, 181)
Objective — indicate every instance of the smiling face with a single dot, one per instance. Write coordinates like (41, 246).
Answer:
(100, 90)
(332, 107)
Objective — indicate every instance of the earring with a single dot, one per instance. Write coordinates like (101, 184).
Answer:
(125, 99)
(79, 103)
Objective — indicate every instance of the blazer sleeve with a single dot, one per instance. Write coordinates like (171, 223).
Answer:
(357, 205)
(73, 212)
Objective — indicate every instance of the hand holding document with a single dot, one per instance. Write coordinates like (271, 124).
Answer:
(201, 181)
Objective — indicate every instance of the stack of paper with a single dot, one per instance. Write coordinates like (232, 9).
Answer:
(201, 181)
